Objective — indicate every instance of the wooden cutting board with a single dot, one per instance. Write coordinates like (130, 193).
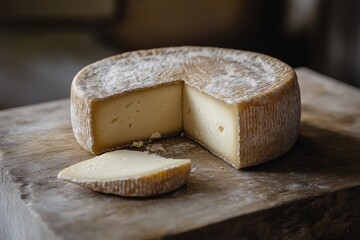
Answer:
(312, 191)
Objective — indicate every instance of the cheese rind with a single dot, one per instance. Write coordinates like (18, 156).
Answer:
(269, 128)
(129, 173)
(259, 92)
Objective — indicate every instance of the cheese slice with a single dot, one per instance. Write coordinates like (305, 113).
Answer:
(129, 173)
(242, 106)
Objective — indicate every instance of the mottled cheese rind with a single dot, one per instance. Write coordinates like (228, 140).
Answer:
(269, 128)
(263, 89)
(152, 185)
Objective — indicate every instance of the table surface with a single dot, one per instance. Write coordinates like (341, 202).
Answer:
(315, 184)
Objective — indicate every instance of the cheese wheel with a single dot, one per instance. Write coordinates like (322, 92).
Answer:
(242, 106)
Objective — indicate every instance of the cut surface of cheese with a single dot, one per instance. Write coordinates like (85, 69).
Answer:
(212, 123)
(242, 106)
(129, 173)
(138, 115)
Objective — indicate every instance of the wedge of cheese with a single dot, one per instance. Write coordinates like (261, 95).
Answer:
(129, 173)
(242, 106)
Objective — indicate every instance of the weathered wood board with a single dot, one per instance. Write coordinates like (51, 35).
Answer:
(312, 191)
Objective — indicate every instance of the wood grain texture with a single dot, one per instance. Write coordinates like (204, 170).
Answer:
(313, 191)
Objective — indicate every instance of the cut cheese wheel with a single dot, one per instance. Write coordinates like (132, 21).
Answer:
(129, 173)
(242, 106)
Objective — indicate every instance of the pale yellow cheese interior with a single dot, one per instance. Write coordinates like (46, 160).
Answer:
(137, 115)
(120, 165)
(168, 109)
(212, 123)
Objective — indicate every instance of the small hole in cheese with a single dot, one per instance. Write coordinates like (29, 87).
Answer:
(129, 105)
(221, 128)
(130, 125)
(114, 120)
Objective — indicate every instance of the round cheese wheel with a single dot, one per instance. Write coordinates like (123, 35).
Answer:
(242, 106)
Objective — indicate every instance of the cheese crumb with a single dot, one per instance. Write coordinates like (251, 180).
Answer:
(155, 148)
(138, 144)
(155, 135)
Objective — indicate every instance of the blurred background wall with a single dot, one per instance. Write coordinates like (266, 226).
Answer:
(44, 43)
